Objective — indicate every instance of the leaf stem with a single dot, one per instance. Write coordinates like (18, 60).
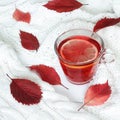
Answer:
(64, 86)
(9, 76)
(81, 107)
(87, 102)
(92, 34)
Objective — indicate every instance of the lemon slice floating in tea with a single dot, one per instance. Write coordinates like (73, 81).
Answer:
(79, 50)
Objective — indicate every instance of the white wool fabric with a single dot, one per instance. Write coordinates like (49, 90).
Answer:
(57, 103)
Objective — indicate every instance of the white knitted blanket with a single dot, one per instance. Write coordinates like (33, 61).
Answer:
(57, 103)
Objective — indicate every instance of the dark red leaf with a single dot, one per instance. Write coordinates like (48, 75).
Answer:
(48, 74)
(21, 16)
(105, 22)
(29, 41)
(25, 91)
(97, 94)
(63, 6)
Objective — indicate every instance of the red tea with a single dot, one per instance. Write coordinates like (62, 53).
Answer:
(79, 58)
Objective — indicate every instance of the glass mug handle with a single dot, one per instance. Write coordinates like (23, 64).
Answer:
(107, 56)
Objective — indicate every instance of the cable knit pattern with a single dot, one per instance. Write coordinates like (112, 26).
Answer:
(57, 102)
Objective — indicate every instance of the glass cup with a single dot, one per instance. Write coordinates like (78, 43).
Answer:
(79, 52)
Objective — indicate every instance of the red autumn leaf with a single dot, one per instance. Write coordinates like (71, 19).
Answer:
(97, 95)
(21, 16)
(29, 41)
(63, 6)
(48, 74)
(105, 22)
(25, 91)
